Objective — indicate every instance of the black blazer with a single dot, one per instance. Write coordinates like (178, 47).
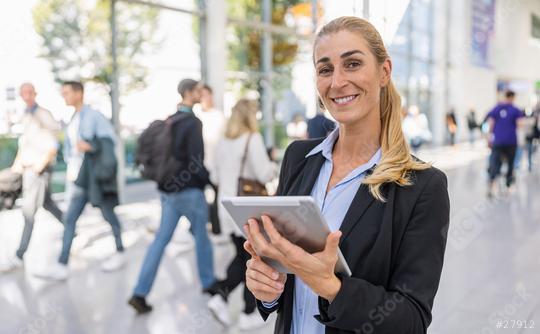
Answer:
(395, 251)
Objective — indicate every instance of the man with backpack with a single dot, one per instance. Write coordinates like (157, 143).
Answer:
(35, 157)
(181, 178)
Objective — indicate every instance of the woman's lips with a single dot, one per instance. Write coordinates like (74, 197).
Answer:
(344, 100)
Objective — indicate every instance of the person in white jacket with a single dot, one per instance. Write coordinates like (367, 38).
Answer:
(241, 130)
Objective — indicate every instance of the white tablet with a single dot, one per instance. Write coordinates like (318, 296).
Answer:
(297, 218)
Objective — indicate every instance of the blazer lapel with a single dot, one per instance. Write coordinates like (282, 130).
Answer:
(362, 200)
(309, 174)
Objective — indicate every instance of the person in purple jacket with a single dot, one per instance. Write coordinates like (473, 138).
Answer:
(503, 122)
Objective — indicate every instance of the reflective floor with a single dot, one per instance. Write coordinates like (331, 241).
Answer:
(492, 265)
(491, 273)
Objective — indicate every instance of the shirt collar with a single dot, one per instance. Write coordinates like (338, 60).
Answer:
(326, 147)
(184, 108)
(84, 109)
(32, 109)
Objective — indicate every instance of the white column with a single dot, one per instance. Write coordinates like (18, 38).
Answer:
(440, 81)
(266, 62)
(216, 48)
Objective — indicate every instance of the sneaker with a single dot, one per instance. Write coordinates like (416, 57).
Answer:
(491, 190)
(56, 272)
(140, 305)
(11, 264)
(220, 309)
(248, 322)
(113, 263)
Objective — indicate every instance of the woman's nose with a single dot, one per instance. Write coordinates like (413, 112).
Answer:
(338, 79)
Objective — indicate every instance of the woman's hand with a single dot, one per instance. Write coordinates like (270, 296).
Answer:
(263, 281)
(316, 270)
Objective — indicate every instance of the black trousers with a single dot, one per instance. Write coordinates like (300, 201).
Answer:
(213, 212)
(236, 274)
(498, 154)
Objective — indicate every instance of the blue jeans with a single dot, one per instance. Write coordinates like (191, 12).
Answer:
(531, 148)
(77, 201)
(517, 158)
(191, 204)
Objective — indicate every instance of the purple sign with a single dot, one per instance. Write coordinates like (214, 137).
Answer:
(483, 28)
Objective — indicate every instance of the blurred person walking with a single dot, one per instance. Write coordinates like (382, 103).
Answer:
(451, 126)
(503, 123)
(241, 154)
(35, 158)
(213, 122)
(181, 195)
(521, 132)
(416, 128)
(90, 176)
(532, 135)
(319, 126)
(472, 125)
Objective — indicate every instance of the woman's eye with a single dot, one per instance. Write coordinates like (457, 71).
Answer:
(324, 71)
(353, 64)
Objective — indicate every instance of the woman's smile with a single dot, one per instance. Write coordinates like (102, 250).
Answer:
(344, 100)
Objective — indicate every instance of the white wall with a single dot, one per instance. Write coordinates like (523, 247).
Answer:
(516, 54)
(514, 57)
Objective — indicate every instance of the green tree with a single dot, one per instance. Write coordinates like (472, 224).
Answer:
(244, 47)
(76, 38)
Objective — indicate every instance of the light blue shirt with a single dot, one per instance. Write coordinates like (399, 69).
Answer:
(92, 124)
(333, 205)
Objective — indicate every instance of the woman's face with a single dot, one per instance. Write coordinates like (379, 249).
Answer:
(349, 79)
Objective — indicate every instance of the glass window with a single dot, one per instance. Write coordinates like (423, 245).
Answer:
(420, 73)
(419, 84)
(421, 46)
(400, 70)
(401, 40)
(420, 14)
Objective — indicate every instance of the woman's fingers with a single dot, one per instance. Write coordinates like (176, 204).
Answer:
(264, 281)
(261, 278)
(332, 242)
(259, 242)
(250, 250)
(282, 277)
(260, 266)
(282, 244)
(262, 292)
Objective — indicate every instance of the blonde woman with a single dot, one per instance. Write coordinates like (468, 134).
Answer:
(241, 139)
(389, 212)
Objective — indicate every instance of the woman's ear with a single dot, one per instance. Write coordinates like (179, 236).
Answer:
(386, 72)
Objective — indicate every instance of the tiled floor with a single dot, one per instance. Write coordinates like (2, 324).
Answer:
(491, 272)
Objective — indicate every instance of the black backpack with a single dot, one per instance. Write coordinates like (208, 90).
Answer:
(154, 157)
(10, 188)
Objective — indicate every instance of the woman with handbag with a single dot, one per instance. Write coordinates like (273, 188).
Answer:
(241, 168)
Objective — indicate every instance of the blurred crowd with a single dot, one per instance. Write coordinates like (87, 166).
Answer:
(197, 150)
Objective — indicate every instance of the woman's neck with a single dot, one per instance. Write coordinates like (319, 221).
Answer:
(358, 141)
